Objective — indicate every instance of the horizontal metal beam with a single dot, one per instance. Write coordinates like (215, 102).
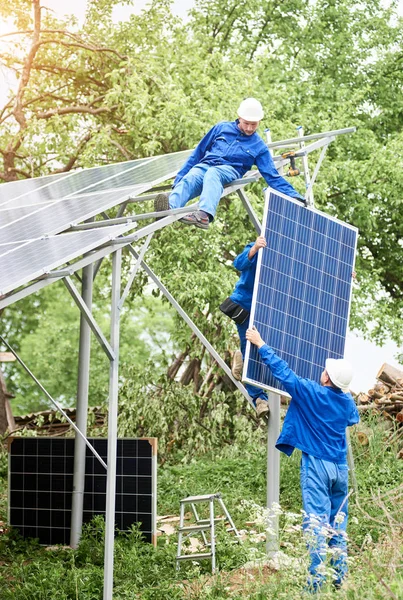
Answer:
(313, 136)
(280, 161)
(134, 218)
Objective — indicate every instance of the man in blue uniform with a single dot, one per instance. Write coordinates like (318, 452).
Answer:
(316, 423)
(242, 295)
(226, 152)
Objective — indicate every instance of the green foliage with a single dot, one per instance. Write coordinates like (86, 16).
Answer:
(184, 423)
(239, 473)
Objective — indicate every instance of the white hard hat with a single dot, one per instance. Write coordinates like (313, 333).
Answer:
(340, 372)
(251, 110)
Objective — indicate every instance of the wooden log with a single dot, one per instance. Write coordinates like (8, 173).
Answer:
(399, 416)
(395, 396)
(374, 394)
(389, 408)
(363, 398)
(381, 387)
(363, 434)
(382, 400)
(390, 375)
(399, 455)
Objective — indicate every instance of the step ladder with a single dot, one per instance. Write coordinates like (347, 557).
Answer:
(201, 527)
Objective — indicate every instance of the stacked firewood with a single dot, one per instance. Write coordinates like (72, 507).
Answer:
(386, 397)
(387, 393)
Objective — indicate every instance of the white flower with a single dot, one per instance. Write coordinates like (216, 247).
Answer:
(340, 517)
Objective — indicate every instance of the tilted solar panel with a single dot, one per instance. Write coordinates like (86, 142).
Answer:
(301, 299)
(25, 262)
(50, 187)
(49, 220)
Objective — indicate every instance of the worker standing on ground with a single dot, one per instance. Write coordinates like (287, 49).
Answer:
(225, 153)
(316, 423)
(237, 307)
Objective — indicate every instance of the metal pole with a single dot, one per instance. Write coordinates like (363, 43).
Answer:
(249, 209)
(81, 411)
(112, 428)
(308, 187)
(273, 473)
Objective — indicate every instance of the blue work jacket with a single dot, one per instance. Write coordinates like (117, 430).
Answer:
(243, 291)
(317, 417)
(225, 144)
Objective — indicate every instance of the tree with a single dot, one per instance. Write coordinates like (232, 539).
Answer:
(154, 85)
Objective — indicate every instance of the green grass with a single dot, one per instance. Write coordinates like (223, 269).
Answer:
(30, 572)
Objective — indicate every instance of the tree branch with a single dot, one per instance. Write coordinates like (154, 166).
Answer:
(67, 110)
(18, 112)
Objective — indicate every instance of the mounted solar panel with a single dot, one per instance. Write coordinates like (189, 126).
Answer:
(35, 210)
(31, 191)
(302, 292)
(52, 208)
(23, 263)
(41, 486)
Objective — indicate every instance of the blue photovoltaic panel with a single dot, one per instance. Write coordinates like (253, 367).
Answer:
(302, 292)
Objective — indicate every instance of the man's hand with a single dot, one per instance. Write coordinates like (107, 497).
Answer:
(253, 336)
(260, 243)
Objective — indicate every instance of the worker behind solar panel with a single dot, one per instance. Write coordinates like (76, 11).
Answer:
(226, 153)
(237, 307)
(316, 423)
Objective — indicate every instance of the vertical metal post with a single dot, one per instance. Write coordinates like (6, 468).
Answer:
(112, 428)
(273, 472)
(212, 529)
(307, 176)
(82, 411)
(268, 139)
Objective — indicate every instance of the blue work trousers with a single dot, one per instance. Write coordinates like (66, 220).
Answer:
(324, 487)
(253, 391)
(205, 181)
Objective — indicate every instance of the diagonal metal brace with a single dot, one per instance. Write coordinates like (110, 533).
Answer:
(59, 408)
(194, 328)
(87, 314)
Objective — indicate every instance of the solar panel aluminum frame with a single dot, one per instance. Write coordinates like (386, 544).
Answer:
(269, 192)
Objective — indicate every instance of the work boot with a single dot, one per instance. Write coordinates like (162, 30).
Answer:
(161, 202)
(262, 408)
(237, 365)
(198, 218)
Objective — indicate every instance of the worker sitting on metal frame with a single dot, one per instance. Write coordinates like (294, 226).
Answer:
(237, 307)
(316, 423)
(225, 153)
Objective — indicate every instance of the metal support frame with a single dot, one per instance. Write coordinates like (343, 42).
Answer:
(194, 328)
(135, 269)
(249, 209)
(86, 313)
(93, 260)
(112, 427)
(81, 411)
(308, 187)
(273, 473)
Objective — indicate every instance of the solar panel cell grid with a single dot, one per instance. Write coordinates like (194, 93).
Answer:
(302, 289)
(41, 484)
